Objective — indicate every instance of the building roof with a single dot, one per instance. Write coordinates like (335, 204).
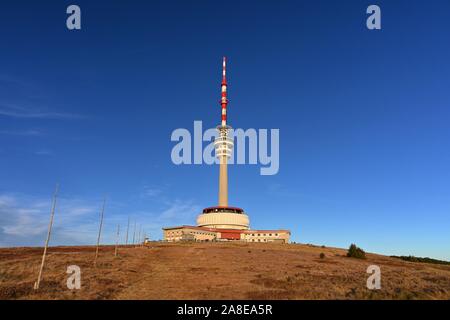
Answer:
(189, 227)
(266, 231)
(226, 230)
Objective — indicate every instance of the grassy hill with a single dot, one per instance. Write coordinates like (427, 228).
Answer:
(217, 271)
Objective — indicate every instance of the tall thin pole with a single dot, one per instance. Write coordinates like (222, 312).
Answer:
(117, 240)
(139, 235)
(145, 237)
(52, 214)
(134, 232)
(99, 231)
(128, 228)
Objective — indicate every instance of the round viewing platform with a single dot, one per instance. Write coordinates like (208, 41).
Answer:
(223, 209)
(223, 218)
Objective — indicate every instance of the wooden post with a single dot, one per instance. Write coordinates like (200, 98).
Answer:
(52, 214)
(134, 232)
(128, 228)
(139, 236)
(117, 240)
(99, 231)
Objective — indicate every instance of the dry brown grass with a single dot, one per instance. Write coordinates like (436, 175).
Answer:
(216, 271)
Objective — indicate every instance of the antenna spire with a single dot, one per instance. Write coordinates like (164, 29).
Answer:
(224, 100)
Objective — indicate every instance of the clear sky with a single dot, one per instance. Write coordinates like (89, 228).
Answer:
(363, 117)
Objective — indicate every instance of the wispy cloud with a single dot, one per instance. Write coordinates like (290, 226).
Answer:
(15, 111)
(150, 192)
(43, 152)
(24, 221)
(7, 200)
(179, 211)
(30, 132)
(174, 213)
(6, 79)
(278, 190)
(166, 211)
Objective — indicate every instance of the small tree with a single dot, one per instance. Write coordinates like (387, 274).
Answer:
(355, 252)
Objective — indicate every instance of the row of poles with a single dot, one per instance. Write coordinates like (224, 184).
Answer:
(52, 214)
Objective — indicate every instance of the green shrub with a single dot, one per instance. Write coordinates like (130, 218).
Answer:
(322, 255)
(355, 252)
(424, 260)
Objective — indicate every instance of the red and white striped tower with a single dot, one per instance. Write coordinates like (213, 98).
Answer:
(223, 216)
(223, 143)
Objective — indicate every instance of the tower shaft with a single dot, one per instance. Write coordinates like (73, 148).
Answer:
(223, 182)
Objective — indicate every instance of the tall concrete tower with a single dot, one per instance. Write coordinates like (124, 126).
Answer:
(223, 216)
(223, 143)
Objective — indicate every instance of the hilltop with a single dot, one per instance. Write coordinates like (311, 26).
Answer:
(217, 271)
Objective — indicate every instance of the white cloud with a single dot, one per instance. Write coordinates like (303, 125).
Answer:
(6, 200)
(24, 220)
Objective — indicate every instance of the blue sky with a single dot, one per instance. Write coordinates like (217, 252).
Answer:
(363, 118)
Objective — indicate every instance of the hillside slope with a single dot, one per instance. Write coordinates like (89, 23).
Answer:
(217, 271)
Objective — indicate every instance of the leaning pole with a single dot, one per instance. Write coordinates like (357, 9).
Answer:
(52, 214)
(99, 231)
